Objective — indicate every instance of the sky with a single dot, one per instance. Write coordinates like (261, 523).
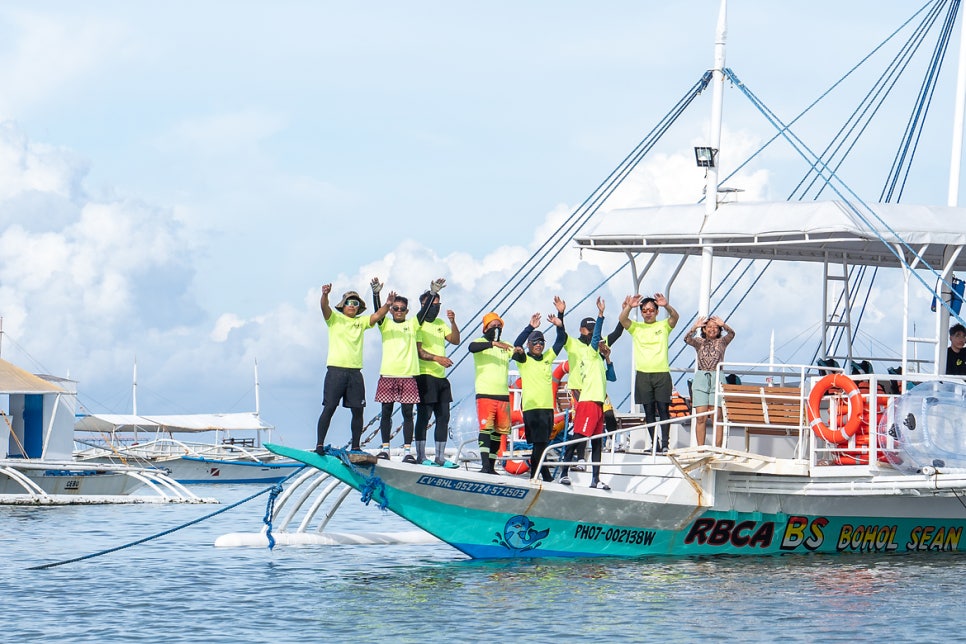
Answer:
(178, 180)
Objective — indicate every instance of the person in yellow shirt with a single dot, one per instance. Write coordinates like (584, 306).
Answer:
(435, 394)
(398, 371)
(535, 364)
(652, 383)
(491, 359)
(343, 375)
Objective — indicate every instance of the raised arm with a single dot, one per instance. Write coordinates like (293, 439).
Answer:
(453, 337)
(689, 336)
(672, 315)
(376, 286)
(618, 331)
(631, 302)
(561, 339)
(380, 313)
(727, 329)
(324, 302)
(527, 330)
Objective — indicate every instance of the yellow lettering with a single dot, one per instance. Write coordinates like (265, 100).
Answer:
(952, 538)
(914, 536)
(845, 536)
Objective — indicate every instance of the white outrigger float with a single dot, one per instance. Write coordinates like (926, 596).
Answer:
(814, 461)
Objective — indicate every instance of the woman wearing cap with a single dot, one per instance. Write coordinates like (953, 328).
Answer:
(343, 374)
(536, 373)
(710, 347)
(491, 358)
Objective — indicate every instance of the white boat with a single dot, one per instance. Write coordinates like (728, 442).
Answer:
(36, 441)
(192, 448)
(814, 461)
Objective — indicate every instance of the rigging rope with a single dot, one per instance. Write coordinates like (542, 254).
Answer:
(543, 257)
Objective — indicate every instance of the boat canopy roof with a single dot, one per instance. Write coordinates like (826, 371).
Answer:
(186, 423)
(786, 230)
(14, 380)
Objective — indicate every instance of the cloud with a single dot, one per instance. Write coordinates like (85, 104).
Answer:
(48, 54)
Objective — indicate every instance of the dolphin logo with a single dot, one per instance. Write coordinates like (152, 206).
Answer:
(519, 534)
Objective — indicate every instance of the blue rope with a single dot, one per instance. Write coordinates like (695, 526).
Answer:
(269, 512)
(372, 482)
(166, 532)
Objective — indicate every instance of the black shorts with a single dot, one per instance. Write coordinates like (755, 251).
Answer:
(346, 385)
(433, 390)
(652, 387)
(537, 424)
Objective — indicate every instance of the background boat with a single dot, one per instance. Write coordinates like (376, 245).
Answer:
(193, 448)
(36, 444)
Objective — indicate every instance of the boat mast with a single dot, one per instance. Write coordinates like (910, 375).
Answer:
(952, 200)
(134, 388)
(256, 387)
(711, 176)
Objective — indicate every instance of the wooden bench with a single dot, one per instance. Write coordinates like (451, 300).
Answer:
(762, 410)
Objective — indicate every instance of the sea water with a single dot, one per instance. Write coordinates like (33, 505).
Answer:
(181, 588)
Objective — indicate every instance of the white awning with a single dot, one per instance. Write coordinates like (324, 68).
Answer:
(186, 423)
(790, 231)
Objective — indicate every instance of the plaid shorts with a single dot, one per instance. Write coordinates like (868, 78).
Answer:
(400, 390)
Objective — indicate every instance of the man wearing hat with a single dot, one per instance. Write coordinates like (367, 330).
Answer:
(343, 375)
(536, 373)
(491, 359)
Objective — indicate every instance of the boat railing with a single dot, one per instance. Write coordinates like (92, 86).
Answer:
(761, 400)
(164, 448)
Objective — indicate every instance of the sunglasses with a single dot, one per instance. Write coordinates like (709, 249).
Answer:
(399, 309)
(649, 310)
(354, 303)
(538, 342)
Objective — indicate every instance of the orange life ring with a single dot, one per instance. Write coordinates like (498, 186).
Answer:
(856, 408)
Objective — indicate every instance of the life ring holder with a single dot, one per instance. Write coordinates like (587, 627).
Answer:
(856, 407)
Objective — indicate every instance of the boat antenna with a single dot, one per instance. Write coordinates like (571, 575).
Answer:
(256, 387)
(134, 388)
(711, 176)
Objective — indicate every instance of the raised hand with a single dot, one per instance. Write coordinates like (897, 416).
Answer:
(660, 299)
(451, 316)
(600, 306)
(554, 320)
(376, 285)
(604, 349)
(326, 289)
(560, 305)
(437, 285)
(535, 320)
